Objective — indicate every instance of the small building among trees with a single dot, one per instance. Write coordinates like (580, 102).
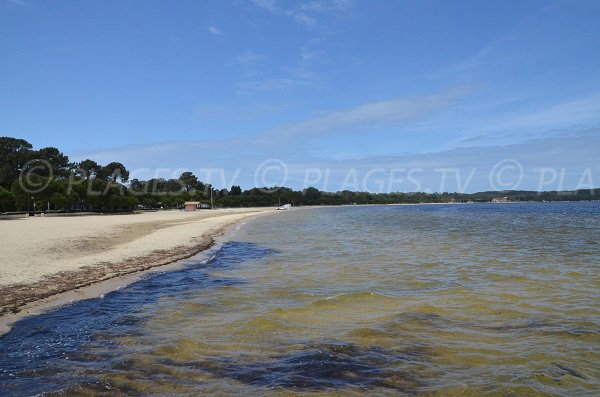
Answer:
(191, 205)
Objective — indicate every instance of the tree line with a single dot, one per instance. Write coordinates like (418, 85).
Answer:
(45, 179)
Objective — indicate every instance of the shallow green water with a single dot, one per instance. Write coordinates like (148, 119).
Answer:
(417, 300)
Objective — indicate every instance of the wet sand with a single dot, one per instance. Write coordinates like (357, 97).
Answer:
(44, 260)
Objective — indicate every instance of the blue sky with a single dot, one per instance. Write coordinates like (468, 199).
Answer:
(364, 95)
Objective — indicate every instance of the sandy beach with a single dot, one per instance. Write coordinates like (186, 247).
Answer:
(44, 256)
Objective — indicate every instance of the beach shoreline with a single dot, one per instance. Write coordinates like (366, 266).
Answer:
(60, 283)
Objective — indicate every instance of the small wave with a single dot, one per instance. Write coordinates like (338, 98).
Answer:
(326, 366)
(370, 297)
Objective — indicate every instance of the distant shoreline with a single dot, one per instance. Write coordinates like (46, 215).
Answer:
(56, 283)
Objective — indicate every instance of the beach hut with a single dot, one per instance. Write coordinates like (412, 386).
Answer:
(191, 205)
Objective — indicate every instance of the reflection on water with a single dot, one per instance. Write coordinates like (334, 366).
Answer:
(412, 300)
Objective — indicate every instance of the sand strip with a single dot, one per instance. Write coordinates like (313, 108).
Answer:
(48, 261)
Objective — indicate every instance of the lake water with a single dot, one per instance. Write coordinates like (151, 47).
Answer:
(428, 300)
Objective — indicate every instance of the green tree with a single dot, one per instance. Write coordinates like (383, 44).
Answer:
(33, 185)
(58, 201)
(235, 190)
(174, 185)
(113, 172)
(14, 154)
(87, 168)
(7, 200)
(59, 163)
(189, 180)
(312, 196)
(138, 186)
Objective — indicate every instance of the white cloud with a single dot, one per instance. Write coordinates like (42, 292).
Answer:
(215, 30)
(268, 5)
(369, 115)
(580, 110)
(307, 54)
(304, 20)
(305, 13)
(523, 124)
(235, 161)
(249, 58)
(300, 75)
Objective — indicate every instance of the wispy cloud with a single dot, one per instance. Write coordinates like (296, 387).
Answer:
(369, 115)
(247, 58)
(305, 13)
(302, 74)
(215, 30)
(326, 6)
(575, 111)
(272, 84)
(236, 161)
(288, 78)
(305, 20)
(373, 114)
(523, 124)
(21, 3)
(308, 54)
(268, 5)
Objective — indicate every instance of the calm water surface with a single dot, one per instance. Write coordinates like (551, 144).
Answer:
(430, 300)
